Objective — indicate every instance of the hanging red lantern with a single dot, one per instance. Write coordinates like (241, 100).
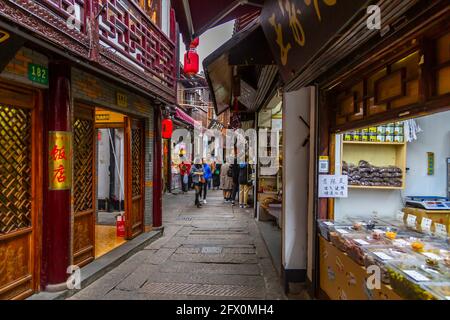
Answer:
(194, 43)
(167, 128)
(191, 62)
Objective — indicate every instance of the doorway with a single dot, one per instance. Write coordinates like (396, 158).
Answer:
(110, 189)
(108, 174)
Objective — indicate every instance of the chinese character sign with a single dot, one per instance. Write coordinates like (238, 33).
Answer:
(60, 160)
(333, 186)
(297, 29)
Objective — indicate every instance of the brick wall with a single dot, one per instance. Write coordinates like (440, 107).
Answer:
(93, 90)
(17, 68)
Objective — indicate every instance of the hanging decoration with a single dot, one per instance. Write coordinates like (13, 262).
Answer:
(191, 59)
(167, 128)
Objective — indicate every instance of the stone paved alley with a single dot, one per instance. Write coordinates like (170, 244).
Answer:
(215, 252)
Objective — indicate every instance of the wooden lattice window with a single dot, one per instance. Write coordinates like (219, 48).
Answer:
(83, 164)
(136, 157)
(15, 169)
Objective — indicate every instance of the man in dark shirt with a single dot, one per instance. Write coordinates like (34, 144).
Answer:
(235, 168)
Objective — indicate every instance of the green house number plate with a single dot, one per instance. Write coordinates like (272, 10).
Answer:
(38, 73)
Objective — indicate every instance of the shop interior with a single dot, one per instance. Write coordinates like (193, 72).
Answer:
(110, 180)
(270, 183)
(396, 215)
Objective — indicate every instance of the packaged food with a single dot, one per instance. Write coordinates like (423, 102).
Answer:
(381, 138)
(381, 130)
(348, 136)
(398, 129)
(389, 138)
(389, 129)
(373, 130)
(398, 138)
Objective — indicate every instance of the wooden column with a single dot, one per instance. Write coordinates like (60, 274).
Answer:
(57, 203)
(157, 167)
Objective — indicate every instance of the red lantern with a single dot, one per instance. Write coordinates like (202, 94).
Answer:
(194, 43)
(191, 62)
(167, 128)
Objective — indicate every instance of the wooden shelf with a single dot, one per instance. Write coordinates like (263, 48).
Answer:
(268, 177)
(350, 186)
(375, 143)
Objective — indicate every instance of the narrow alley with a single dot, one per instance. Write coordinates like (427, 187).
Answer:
(215, 252)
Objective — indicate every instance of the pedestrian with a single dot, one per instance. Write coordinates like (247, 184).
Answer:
(235, 177)
(185, 170)
(226, 181)
(245, 182)
(216, 175)
(207, 179)
(197, 179)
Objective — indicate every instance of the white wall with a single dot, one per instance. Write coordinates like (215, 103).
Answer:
(103, 165)
(295, 186)
(434, 138)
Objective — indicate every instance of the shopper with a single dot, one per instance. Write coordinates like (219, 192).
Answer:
(216, 175)
(185, 170)
(226, 181)
(235, 172)
(207, 177)
(198, 180)
(245, 182)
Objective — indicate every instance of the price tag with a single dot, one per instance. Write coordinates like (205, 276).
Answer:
(328, 223)
(361, 242)
(411, 220)
(426, 224)
(342, 231)
(382, 255)
(416, 275)
(400, 243)
(440, 229)
(400, 215)
(432, 255)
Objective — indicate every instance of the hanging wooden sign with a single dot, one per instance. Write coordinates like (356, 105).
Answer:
(60, 160)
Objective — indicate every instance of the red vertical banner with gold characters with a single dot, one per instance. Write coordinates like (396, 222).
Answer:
(60, 160)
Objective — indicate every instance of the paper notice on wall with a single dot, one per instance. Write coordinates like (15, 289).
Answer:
(333, 186)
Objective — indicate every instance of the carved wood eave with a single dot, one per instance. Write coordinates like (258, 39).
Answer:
(33, 17)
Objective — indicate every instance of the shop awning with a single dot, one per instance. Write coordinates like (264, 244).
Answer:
(256, 69)
(183, 116)
(196, 16)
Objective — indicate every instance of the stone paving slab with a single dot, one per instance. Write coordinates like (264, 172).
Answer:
(175, 268)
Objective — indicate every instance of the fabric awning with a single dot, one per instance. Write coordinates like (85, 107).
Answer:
(257, 69)
(196, 16)
(183, 116)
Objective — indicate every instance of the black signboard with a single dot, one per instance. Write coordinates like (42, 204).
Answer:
(9, 45)
(297, 29)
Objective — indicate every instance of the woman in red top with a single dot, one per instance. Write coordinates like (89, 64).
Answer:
(185, 170)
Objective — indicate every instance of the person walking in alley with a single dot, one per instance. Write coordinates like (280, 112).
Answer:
(245, 182)
(198, 180)
(216, 175)
(185, 170)
(207, 178)
(235, 177)
(226, 181)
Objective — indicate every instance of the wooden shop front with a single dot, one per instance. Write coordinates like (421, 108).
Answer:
(399, 80)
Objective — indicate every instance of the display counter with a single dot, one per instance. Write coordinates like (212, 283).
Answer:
(364, 261)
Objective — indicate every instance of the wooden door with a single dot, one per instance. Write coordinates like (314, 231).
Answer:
(84, 185)
(20, 191)
(134, 186)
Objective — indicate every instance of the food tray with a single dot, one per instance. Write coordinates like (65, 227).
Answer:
(439, 290)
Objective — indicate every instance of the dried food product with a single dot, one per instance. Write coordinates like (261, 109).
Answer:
(439, 290)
